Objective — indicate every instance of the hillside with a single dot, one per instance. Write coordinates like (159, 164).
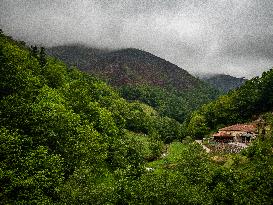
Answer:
(59, 124)
(137, 67)
(241, 105)
(224, 82)
(126, 67)
(142, 76)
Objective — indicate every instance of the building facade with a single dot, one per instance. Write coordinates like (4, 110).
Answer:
(241, 133)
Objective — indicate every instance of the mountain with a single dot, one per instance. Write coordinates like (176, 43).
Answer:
(224, 82)
(142, 76)
(126, 67)
(137, 67)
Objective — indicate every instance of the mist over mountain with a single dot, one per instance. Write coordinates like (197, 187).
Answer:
(77, 55)
(199, 36)
(224, 82)
(126, 66)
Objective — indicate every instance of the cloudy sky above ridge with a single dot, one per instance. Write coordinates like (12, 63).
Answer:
(201, 36)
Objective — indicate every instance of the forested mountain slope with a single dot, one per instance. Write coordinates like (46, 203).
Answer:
(142, 76)
(59, 124)
(251, 99)
(137, 67)
(126, 66)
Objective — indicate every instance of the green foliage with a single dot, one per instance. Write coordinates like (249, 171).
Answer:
(170, 102)
(197, 126)
(150, 147)
(18, 69)
(253, 98)
(28, 174)
(87, 187)
(54, 73)
(69, 120)
(68, 138)
(176, 178)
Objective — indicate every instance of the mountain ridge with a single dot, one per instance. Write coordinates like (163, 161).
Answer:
(127, 66)
(224, 82)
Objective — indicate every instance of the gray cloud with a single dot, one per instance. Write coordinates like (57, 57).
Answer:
(201, 36)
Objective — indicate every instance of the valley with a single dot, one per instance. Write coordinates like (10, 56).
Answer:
(127, 127)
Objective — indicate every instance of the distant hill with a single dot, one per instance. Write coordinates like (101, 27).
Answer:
(137, 67)
(126, 67)
(224, 82)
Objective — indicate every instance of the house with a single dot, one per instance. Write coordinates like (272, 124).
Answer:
(243, 133)
(223, 137)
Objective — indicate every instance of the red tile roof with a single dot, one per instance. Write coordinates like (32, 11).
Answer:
(241, 127)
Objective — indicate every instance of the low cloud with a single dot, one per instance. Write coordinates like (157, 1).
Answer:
(213, 36)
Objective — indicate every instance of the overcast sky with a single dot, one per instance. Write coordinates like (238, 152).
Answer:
(214, 36)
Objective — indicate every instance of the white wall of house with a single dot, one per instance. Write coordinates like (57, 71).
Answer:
(237, 135)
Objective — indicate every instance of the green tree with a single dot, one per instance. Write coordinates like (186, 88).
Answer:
(28, 174)
(34, 51)
(42, 57)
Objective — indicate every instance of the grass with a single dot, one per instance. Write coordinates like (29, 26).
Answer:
(174, 152)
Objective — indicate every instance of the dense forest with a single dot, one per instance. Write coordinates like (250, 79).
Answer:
(68, 138)
(176, 104)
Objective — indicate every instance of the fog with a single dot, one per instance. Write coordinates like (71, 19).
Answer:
(214, 36)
